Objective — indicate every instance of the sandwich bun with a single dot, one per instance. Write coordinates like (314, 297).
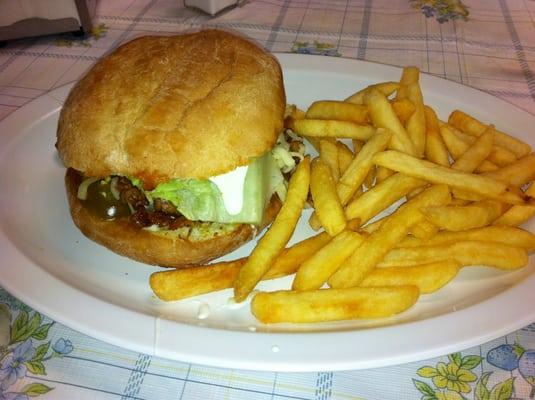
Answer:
(159, 108)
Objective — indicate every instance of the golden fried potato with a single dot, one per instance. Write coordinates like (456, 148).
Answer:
(332, 304)
(381, 196)
(386, 88)
(315, 271)
(427, 277)
(332, 129)
(476, 153)
(510, 236)
(460, 218)
(423, 169)
(278, 234)
(392, 230)
(329, 154)
(383, 116)
(435, 149)
(326, 202)
(492, 254)
(472, 126)
(338, 110)
(177, 284)
(415, 125)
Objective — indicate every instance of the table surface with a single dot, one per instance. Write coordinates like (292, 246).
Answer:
(487, 44)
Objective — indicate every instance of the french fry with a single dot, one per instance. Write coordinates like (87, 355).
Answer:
(315, 271)
(472, 126)
(381, 196)
(290, 259)
(518, 173)
(477, 153)
(345, 156)
(373, 226)
(177, 284)
(423, 169)
(409, 76)
(415, 125)
(460, 218)
(498, 155)
(403, 108)
(486, 166)
(516, 215)
(386, 88)
(332, 128)
(456, 147)
(427, 277)
(466, 253)
(424, 230)
(382, 174)
(326, 202)
(356, 172)
(332, 304)
(275, 239)
(391, 231)
(512, 195)
(383, 116)
(329, 154)
(511, 236)
(435, 149)
(351, 180)
(338, 110)
(458, 202)
(314, 221)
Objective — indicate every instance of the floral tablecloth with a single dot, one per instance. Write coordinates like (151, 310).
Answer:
(487, 44)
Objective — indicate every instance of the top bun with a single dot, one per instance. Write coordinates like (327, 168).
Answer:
(189, 106)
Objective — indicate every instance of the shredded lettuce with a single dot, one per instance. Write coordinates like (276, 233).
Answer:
(283, 155)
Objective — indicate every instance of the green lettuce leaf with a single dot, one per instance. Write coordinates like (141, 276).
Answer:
(201, 199)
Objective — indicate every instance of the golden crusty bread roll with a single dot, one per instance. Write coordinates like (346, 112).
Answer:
(161, 108)
(147, 107)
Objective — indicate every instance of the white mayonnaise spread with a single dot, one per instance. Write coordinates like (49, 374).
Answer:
(231, 187)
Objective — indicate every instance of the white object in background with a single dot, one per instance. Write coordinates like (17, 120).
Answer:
(16, 10)
(211, 7)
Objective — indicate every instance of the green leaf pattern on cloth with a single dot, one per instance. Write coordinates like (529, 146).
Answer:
(463, 377)
(442, 10)
(24, 351)
(96, 33)
(316, 48)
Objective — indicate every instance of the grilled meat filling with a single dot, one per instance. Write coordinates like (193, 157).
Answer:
(131, 202)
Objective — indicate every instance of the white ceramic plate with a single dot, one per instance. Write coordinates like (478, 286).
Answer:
(47, 263)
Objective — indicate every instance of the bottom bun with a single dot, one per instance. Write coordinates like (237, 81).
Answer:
(166, 248)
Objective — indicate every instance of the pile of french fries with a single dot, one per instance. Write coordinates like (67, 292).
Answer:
(461, 187)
